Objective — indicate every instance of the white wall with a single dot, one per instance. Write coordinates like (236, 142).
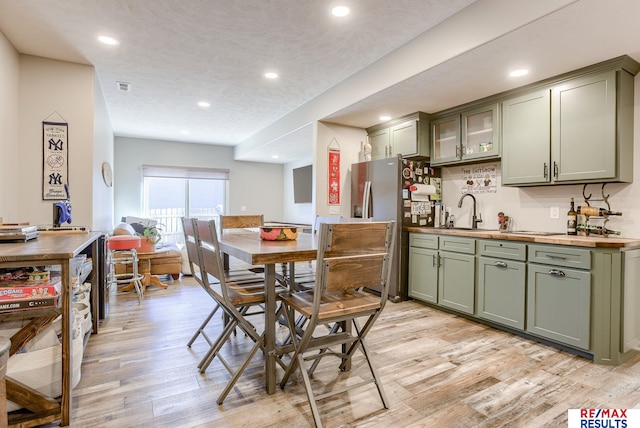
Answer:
(255, 186)
(349, 140)
(45, 87)
(529, 206)
(102, 152)
(9, 143)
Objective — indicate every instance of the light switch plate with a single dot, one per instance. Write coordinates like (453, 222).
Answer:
(554, 212)
(335, 210)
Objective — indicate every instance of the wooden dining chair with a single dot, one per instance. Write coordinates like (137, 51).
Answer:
(236, 300)
(248, 221)
(351, 256)
(188, 228)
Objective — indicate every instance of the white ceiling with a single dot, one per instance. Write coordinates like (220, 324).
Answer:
(176, 53)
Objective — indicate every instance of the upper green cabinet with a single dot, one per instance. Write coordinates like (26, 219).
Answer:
(577, 130)
(407, 136)
(526, 152)
(466, 136)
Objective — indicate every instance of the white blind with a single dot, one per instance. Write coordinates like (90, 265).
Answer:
(184, 172)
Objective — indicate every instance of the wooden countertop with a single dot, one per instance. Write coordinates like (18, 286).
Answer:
(560, 239)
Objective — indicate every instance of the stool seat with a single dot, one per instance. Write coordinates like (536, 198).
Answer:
(123, 242)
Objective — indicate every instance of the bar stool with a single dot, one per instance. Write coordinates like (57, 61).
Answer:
(122, 251)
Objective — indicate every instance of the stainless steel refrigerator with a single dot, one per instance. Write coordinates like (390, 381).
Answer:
(381, 190)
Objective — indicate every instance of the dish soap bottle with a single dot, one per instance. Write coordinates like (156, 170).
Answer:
(572, 219)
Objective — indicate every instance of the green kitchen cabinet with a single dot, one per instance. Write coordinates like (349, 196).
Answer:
(456, 273)
(526, 150)
(423, 275)
(470, 135)
(501, 282)
(559, 295)
(578, 130)
(407, 136)
(379, 141)
(445, 135)
(423, 267)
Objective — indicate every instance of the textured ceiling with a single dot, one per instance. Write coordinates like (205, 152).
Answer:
(176, 53)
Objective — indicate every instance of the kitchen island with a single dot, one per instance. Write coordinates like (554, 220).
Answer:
(577, 293)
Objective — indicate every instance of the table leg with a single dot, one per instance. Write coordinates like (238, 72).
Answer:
(270, 328)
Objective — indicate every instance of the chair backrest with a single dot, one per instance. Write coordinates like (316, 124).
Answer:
(241, 221)
(334, 220)
(354, 255)
(192, 250)
(211, 259)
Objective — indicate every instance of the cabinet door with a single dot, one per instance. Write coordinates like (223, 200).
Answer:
(379, 141)
(558, 304)
(456, 281)
(583, 128)
(526, 140)
(480, 133)
(501, 291)
(445, 135)
(404, 138)
(423, 274)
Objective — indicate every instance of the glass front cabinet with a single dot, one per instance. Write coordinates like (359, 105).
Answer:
(471, 135)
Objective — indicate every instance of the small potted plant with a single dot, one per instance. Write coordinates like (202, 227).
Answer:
(150, 237)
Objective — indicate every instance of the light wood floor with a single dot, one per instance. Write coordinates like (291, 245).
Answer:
(437, 369)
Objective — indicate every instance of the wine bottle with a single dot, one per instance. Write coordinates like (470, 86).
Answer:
(599, 230)
(596, 212)
(572, 218)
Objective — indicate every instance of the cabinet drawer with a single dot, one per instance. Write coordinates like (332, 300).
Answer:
(457, 244)
(421, 240)
(560, 256)
(502, 249)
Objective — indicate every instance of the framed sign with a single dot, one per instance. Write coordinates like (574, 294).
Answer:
(334, 176)
(55, 155)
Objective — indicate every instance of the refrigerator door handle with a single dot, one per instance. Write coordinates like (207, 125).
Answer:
(366, 199)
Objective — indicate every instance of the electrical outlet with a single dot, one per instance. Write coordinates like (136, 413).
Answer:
(243, 208)
(554, 212)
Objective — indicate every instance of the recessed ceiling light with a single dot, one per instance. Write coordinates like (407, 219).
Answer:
(108, 40)
(340, 11)
(184, 132)
(275, 157)
(384, 118)
(271, 75)
(519, 73)
(203, 104)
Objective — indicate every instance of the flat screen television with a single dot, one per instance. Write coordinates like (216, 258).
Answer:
(302, 184)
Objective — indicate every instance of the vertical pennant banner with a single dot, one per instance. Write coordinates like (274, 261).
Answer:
(55, 167)
(334, 176)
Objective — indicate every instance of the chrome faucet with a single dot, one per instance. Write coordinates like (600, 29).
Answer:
(477, 218)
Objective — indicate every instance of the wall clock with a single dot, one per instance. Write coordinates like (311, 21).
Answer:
(107, 174)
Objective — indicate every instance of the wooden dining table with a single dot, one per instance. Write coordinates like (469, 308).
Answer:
(247, 246)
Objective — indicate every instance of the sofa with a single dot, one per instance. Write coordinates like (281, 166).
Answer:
(168, 264)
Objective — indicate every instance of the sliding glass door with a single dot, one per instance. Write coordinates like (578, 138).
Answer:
(168, 199)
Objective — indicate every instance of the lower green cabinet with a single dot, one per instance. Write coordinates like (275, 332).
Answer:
(456, 281)
(423, 274)
(501, 291)
(559, 304)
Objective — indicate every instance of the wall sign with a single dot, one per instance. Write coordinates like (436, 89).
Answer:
(479, 179)
(55, 166)
(334, 174)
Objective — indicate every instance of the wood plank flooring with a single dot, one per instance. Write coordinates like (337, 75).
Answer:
(438, 370)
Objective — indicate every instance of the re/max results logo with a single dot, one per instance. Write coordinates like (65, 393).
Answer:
(604, 418)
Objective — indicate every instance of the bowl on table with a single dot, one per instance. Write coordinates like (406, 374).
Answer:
(278, 233)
